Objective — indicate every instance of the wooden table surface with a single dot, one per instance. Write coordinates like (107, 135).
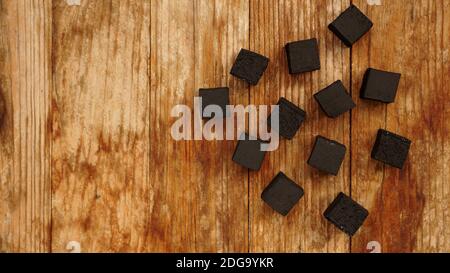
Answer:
(86, 153)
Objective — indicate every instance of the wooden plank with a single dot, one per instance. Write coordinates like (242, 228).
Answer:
(199, 197)
(100, 133)
(408, 208)
(100, 148)
(25, 87)
(221, 30)
(272, 24)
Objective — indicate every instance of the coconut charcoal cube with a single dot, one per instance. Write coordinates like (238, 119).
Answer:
(214, 96)
(350, 25)
(334, 100)
(303, 56)
(391, 148)
(380, 85)
(248, 153)
(249, 66)
(282, 194)
(290, 118)
(346, 214)
(327, 155)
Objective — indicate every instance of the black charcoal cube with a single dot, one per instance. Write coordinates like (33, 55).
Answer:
(327, 155)
(290, 118)
(380, 85)
(346, 214)
(282, 194)
(303, 56)
(248, 153)
(350, 25)
(391, 149)
(334, 100)
(214, 96)
(249, 66)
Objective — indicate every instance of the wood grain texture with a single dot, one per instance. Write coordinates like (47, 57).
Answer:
(199, 197)
(100, 108)
(408, 208)
(86, 154)
(25, 88)
(272, 25)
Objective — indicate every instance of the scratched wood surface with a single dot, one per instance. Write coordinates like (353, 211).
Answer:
(199, 197)
(101, 193)
(272, 24)
(408, 208)
(25, 130)
(86, 93)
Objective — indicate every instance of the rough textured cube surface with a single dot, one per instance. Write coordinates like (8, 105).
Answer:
(391, 149)
(350, 25)
(303, 56)
(327, 155)
(215, 96)
(249, 66)
(346, 214)
(282, 194)
(334, 100)
(248, 153)
(290, 118)
(380, 85)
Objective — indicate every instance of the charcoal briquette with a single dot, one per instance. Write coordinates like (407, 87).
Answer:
(380, 85)
(290, 118)
(249, 66)
(303, 56)
(346, 214)
(334, 100)
(327, 155)
(248, 153)
(350, 25)
(282, 194)
(214, 96)
(391, 148)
